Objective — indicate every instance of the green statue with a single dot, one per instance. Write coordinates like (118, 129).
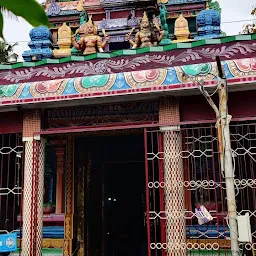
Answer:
(83, 19)
(162, 16)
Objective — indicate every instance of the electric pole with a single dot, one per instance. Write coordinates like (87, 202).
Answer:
(223, 134)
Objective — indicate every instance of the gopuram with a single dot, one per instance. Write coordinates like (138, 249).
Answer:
(109, 148)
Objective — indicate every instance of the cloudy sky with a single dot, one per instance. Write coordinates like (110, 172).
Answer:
(234, 12)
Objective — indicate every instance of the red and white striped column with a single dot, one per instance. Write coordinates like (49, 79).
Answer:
(33, 185)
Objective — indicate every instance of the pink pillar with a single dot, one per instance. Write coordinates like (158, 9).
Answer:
(173, 177)
(174, 192)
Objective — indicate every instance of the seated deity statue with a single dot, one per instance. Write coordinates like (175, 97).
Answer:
(90, 42)
(146, 36)
(181, 29)
(64, 35)
(64, 42)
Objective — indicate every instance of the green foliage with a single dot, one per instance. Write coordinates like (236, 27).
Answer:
(48, 204)
(250, 28)
(1, 24)
(30, 10)
(214, 5)
(6, 52)
(224, 33)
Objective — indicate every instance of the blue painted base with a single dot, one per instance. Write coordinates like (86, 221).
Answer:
(51, 232)
(8, 242)
(209, 36)
(39, 54)
(191, 230)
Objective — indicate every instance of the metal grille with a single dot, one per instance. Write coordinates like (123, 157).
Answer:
(190, 170)
(11, 149)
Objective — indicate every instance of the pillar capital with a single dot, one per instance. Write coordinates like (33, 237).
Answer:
(31, 124)
(169, 112)
(171, 128)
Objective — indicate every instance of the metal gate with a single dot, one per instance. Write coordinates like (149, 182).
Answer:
(202, 184)
(11, 148)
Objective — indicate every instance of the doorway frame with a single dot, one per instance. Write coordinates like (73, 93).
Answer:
(70, 135)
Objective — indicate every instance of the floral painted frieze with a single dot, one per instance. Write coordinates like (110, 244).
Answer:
(124, 83)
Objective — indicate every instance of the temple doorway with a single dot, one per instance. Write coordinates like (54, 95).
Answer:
(110, 195)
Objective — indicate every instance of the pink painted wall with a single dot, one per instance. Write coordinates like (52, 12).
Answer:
(120, 14)
(195, 108)
(10, 122)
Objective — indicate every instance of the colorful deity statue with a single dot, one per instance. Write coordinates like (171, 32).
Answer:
(64, 41)
(163, 17)
(90, 42)
(181, 29)
(146, 36)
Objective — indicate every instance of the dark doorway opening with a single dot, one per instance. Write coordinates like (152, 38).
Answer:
(114, 195)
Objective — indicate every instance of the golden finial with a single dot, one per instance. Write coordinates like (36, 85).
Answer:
(90, 20)
(145, 17)
(207, 5)
(80, 6)
(162, 1)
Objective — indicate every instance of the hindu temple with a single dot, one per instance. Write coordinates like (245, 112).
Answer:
(108, 146)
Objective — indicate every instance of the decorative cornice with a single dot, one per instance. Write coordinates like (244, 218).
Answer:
(179, 78)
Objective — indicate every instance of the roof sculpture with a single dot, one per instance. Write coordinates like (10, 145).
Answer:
(208, 22)
(91, 42)
(54, 8)
(40, 44)
(181, 29)
(146, 37)
(64, 41)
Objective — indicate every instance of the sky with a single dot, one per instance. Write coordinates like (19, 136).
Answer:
(17, 30)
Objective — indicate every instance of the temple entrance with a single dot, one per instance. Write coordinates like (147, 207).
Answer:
(110, 195)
